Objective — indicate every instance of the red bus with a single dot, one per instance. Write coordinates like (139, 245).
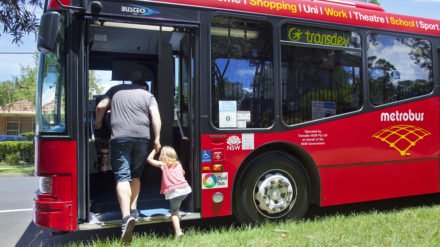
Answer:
(272, 105)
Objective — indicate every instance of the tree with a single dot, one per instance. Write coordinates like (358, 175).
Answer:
(374, 1)
(94, 84)
(25, 83)
(7, 96)
(18, 17)
(22, 86)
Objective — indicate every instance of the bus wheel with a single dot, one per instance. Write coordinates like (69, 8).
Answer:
(274, 187)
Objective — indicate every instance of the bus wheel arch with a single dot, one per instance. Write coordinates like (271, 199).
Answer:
(281, 166)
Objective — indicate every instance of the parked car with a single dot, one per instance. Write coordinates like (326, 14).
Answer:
(4, 138)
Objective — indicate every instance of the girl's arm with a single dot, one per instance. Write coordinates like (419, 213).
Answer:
(152, 161)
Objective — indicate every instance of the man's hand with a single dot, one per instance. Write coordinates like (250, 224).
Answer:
(98, 125)
(157, 145)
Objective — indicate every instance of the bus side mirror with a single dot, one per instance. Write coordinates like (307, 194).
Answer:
(48, 33)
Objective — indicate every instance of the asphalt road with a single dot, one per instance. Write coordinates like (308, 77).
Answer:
(17, 228)
(16, 195)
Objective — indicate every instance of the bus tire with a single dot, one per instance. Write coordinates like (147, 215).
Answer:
(273, 188)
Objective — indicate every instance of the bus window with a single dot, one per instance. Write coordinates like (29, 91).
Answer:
(322, 80)
(51, 108)
(181, 93)
(398, 68)
(241, 73)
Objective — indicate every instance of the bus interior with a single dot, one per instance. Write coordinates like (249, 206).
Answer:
(162, 56)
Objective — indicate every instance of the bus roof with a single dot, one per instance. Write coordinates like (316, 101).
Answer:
(333, 11)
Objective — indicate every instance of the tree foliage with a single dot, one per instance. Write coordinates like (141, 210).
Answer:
(94, 84)
(21, 87)
(18, 18)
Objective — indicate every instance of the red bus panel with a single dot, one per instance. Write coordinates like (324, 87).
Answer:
(387, 153)
(58, 209)
(53, 4)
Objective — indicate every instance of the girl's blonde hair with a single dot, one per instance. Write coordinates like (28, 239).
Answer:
(168, 155)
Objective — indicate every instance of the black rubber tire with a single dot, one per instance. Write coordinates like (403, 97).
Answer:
(277, 163)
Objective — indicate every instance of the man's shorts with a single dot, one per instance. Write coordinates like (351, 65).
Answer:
(128, 157)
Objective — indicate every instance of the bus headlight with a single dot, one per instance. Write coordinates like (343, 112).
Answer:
(45, 185)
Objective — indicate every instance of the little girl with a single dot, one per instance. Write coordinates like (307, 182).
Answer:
(174, 186)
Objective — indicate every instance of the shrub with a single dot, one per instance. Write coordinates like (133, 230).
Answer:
(28, 135)
(24, 150)
(12, 158)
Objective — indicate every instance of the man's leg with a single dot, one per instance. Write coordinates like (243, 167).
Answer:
(135, 190)
(120, 160)
(123, 191)
(139, 161)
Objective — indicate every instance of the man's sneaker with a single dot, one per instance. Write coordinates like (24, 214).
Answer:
(134, 213)
(127, 227)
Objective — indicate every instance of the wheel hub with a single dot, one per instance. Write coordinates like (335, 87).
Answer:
(273, 193)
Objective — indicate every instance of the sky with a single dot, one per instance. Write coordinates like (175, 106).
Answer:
(12, 56)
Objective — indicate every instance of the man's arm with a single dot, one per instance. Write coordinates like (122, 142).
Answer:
(100, 111)
(156, 124)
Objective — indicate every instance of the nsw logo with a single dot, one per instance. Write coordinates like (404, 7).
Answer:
(234, 143)
(138, 10)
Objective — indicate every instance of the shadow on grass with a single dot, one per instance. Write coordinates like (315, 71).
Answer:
(389, 205)
(41, 237)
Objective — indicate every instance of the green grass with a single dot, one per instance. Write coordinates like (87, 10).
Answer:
(417, 226)
(17, 169)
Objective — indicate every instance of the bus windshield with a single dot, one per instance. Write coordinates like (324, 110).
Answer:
(51, 105)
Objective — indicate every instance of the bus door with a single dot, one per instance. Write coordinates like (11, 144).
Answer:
(437, 88)
(162, 55)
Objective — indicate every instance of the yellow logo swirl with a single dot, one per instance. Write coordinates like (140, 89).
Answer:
(402, 137)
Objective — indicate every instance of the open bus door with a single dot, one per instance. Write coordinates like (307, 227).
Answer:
(163, 56)
(436, 86)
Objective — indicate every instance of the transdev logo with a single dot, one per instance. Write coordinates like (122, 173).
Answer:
(138, 10)
(214, 180)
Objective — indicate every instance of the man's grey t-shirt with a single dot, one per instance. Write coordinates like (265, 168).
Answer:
(129, 110)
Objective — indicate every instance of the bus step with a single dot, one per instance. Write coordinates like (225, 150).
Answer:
(159, 215)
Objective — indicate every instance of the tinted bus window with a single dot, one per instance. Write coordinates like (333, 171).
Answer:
(398, 68)
(51, 106)
(322, 80)
(241, 73)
